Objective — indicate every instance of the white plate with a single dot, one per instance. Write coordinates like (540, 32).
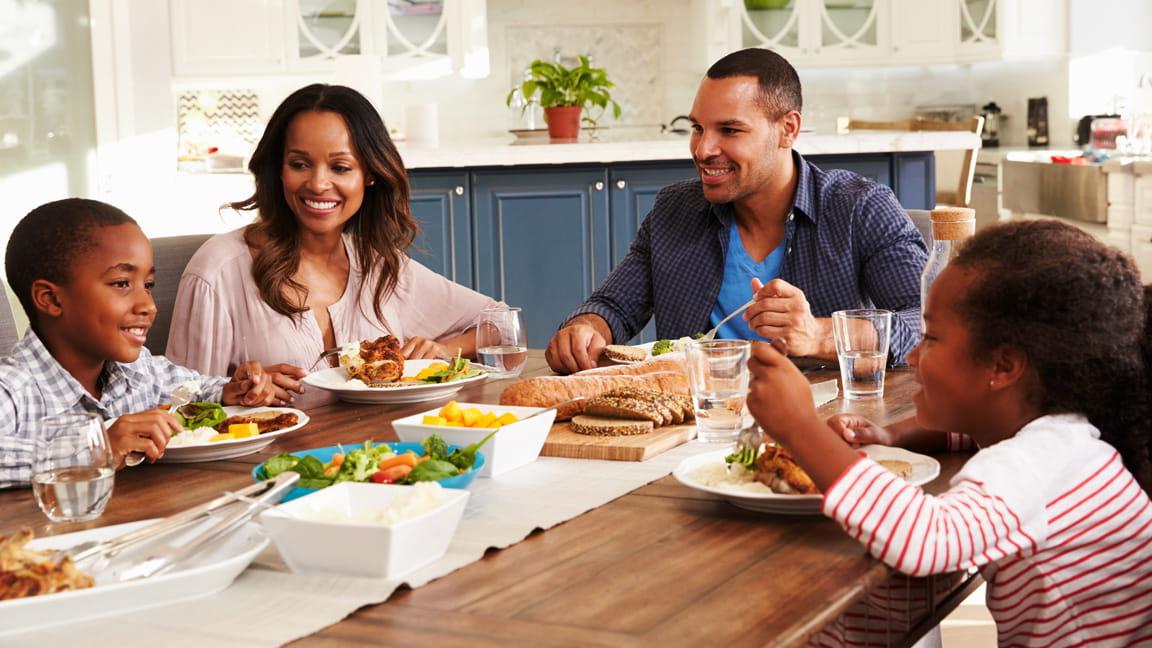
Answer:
(924, 470)
(207, 573)
(336, 381)
(216, 450)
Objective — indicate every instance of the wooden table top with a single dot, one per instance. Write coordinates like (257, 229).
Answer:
(665, 564)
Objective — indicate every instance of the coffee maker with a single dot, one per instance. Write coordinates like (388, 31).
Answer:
(990, 136)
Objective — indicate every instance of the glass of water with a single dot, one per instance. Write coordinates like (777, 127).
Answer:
(72, 467)
(862, 338)
(501, 340)
(718, 376)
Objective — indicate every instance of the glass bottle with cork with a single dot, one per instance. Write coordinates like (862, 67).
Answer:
(951, 226)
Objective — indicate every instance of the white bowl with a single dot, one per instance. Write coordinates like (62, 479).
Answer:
(513, 446)
(357, 547)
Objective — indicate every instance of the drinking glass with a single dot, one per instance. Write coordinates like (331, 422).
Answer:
(72, 467)
(501, 340)
(718, 376)
(862, 338)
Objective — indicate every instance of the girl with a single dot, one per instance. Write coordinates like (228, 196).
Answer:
(1034, 348)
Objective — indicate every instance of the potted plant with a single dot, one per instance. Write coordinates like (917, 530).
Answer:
(564, 93)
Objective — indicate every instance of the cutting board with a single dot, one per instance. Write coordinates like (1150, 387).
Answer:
(563, 442)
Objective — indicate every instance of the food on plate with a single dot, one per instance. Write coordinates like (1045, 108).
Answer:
(455, 416)
(636, 403)
(660, 347)
(379, 464)
(265, 422)
(373, 361)
(200, 415)
(546, 391)
(901, 468)
(776, 469)
(604, 426)
(25, 572)
(625, 353)
(653, 365)
(731, 476)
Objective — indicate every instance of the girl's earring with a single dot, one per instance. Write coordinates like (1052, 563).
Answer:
(992, 384)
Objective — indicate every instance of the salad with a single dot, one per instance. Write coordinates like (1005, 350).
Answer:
(379, 464)
(444, 372)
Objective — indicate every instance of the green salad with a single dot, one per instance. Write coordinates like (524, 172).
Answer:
(200, 415)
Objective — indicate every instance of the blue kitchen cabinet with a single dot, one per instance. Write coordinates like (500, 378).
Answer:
(911, 175)
(440, 204)
(542, 240)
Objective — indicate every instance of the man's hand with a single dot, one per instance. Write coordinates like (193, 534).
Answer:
(418, 348)
(147, 432)
(781, 312)
(578, 345)
(251, 386)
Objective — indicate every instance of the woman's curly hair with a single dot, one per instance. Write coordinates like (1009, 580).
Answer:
(1077, 309)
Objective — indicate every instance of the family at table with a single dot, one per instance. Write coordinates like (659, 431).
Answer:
(1032, 348)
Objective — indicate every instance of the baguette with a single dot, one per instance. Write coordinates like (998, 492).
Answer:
(666, 362)
(546, 391)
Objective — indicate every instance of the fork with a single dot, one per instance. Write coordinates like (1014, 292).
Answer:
(711, 335)
(747, 446)
(323, 354)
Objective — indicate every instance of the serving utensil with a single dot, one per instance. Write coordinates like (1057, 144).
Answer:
(711, 335)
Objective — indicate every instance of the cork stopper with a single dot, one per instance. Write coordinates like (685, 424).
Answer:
(953, 223)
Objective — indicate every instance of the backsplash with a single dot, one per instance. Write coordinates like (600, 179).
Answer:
(217, 129)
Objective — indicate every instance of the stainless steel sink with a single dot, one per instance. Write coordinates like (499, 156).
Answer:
(1079, 192)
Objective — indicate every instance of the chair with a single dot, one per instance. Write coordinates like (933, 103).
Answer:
(922, 219)
(171, 255)
(9, 333)
(962, 196)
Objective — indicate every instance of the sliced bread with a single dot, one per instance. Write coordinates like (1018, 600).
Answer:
(625, 353)
(627, 408)
(601, 426)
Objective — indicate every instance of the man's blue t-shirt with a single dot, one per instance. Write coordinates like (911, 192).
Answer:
(736, 289)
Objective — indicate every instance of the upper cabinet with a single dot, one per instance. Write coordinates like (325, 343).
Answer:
(414, 39)
(896, 32)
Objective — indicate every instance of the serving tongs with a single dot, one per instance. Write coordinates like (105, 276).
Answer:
(168, 556)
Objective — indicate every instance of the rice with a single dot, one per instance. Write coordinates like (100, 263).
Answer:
(731, 477)
(192, 437)
(414, 501)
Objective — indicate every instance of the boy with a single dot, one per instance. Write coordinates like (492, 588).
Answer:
(83, 273)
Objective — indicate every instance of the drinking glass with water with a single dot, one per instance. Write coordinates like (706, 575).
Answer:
(72, 467)
(501, 340)
(718, 376)
(862, 338)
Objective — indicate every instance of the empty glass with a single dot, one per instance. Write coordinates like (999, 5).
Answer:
(862, 338)
(72, 467)
(718, 376)
(501, 340)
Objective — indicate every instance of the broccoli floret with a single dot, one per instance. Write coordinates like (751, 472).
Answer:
(435, 447)
(661, 347)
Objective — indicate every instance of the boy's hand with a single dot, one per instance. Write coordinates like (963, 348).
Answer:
(858, 431)
(251, 386)
(147, 432)
(285, 379)
(779, 397)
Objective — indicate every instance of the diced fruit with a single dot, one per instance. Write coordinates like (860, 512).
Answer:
(223, 436)
(486, 420)
(471, 415)
(507, 418)
(432, 419)
(243, 430)
(452, 412)
(433, 368)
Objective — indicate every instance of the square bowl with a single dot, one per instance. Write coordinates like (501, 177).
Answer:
(514, 445)
(331, 531)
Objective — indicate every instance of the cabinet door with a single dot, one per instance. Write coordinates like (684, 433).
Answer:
(634, 189)
(439, 202)
(910, 175)
(541, 241)
(850, 31)
(924, 30)
(978, 29)
(778, 25)
(227, 37)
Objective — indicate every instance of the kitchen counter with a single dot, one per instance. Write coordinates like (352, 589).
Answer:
(510, 152)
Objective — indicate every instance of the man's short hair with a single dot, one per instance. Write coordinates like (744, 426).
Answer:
(47, 241)
(778, 81)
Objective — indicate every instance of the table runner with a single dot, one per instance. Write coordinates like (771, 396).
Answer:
(268, 605)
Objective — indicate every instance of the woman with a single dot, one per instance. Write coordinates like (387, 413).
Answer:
(324, 263)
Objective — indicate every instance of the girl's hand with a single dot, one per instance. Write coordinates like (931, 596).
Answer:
(147, 432)
(285, 379)
(779, 396)
(251, 386)
(858, 431)
(418, 348)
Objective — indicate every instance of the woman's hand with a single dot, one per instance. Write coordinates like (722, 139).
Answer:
(418, 348)
(251, 386)
(858, 431)
(779, 396)
(285, 379)
(147, 432)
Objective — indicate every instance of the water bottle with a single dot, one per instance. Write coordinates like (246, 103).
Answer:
(951, 226)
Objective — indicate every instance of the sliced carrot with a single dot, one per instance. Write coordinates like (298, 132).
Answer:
(406, 459)
(396, 472)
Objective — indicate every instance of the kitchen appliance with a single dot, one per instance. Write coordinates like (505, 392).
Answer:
(990, 136)
(1105, 130)
(1084, 130)
(1038, 121)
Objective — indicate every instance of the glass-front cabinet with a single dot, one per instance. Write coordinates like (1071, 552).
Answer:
(812, 31)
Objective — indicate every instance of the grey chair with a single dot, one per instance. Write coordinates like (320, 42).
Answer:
(171, 255)
(922, 219)
(8, 333)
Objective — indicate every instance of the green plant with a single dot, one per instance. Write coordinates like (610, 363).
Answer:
(557, 86)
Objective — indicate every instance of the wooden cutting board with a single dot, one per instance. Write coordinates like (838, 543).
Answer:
(563, 442)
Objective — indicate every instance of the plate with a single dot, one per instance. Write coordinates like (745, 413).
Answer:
(924, 470)
(336, 380)
(209, 572)
(216, 450)
(325, 455)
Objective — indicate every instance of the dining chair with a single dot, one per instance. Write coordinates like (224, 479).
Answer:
(962, 195)
(9, 334)
(171, 254)
(922, 219)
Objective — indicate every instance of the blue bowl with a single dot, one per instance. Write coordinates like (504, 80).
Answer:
(325, 455)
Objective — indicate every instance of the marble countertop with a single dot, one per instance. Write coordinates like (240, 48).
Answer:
(621, 147)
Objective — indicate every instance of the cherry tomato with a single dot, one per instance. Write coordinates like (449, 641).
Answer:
(379, 477)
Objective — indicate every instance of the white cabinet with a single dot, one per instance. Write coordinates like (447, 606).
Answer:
(923, 30)
(412, 39)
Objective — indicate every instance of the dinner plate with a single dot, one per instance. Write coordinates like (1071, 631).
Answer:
(647, 349)
(209, 572)
(336, 380)
(924, 470)
(216, 450)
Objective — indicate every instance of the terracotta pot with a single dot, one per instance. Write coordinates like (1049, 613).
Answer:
(563, 122)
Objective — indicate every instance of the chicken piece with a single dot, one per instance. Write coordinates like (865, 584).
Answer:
(268, 422)
(777, 470)
(24, 572)
(374, 362)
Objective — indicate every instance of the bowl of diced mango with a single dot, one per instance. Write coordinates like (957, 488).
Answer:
(516, 443)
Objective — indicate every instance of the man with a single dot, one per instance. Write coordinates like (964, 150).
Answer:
(760, 222)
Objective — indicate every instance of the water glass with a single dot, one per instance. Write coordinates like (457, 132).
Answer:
(862, 338)
(72, 467)
(502, 340)
(718, 376)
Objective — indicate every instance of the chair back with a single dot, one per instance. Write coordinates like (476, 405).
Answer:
(9, 334)
(171, 255)
(962, 196)
(922, 219)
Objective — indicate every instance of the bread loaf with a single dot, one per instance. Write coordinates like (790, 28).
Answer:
(599, 426)
(546, 391)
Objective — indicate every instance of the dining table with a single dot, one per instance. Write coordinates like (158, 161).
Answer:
(664, 564)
